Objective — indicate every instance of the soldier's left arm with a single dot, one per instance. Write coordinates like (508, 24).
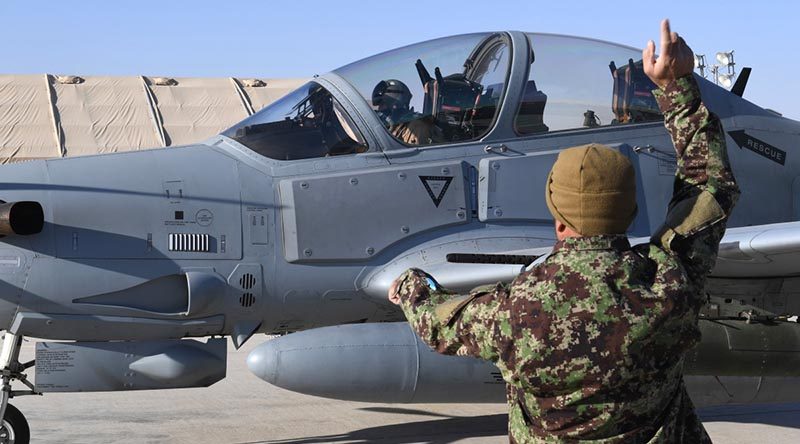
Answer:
(469, 324)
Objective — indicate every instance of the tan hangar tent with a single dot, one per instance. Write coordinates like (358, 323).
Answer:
(46, 116)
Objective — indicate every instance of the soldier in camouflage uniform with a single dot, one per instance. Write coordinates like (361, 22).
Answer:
(591, 341)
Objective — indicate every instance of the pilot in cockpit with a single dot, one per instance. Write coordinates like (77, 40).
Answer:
(392, 100)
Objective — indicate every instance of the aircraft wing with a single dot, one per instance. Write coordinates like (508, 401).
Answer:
(760, 251)
(756, 252)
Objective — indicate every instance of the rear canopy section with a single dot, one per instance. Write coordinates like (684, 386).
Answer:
(47, 116)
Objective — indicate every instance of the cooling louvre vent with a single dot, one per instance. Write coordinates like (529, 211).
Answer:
(247, 300)
(194, 243)
(247, 281)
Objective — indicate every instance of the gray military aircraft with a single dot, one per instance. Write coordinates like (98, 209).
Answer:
(433, 155)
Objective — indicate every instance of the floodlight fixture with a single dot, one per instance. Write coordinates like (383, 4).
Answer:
(725, 58)
(700, 63)
(726, 80)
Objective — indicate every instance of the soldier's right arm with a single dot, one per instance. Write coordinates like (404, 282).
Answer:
(705, 190)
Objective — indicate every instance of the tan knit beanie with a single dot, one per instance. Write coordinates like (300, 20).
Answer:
(592, 189)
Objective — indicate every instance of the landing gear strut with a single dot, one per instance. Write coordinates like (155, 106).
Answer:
(15, 429)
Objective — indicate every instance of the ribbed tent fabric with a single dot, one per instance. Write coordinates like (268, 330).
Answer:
(103, 115)
(47, 116)
(27, 129)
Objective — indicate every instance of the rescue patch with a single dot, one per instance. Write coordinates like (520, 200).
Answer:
(436, 187)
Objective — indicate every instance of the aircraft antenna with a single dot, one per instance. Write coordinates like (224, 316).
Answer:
(741, 82)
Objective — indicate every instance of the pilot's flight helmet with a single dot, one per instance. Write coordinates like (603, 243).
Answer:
(391, 94)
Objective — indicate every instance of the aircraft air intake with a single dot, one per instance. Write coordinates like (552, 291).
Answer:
(23, 218)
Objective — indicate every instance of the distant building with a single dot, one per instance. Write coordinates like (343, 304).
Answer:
(46, 116)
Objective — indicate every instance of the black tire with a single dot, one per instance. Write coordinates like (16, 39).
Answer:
(18, 424)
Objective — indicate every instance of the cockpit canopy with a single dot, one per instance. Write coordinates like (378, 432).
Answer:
(450, 90)
(455, 86)
(306, 123)
(576, 82)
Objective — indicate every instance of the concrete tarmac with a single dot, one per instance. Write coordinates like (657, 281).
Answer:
(242, 409)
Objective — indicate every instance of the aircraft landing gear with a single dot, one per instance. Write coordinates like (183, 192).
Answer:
(15, 429)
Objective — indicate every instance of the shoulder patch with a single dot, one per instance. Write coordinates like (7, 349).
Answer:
(688, 217)
(448, 310)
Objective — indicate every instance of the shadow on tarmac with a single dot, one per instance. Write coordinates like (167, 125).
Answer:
(402, 411)
(451, 429)
(437, 431)
(783, 415)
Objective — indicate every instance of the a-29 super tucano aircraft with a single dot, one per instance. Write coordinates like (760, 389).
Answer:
(433, 155)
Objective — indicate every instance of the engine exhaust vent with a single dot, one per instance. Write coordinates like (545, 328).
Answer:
(23, 218)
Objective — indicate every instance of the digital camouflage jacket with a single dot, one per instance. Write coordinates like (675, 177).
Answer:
(591, 341)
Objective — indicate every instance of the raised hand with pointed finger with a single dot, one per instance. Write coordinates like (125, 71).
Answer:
(674, 61)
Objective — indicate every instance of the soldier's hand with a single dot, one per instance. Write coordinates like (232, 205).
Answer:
(394, 294)
(675, 60)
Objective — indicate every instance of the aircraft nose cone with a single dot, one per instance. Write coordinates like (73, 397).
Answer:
(263, 361)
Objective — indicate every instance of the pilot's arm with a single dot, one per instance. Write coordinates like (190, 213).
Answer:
(454, 324)
(705, 190)
(418, 132)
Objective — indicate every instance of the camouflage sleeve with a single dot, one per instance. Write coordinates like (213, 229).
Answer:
(705, 190)
(455, 324)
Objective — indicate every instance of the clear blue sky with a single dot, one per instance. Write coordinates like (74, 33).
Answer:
(300, 38)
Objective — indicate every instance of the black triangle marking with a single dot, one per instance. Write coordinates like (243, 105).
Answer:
(436, 187)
